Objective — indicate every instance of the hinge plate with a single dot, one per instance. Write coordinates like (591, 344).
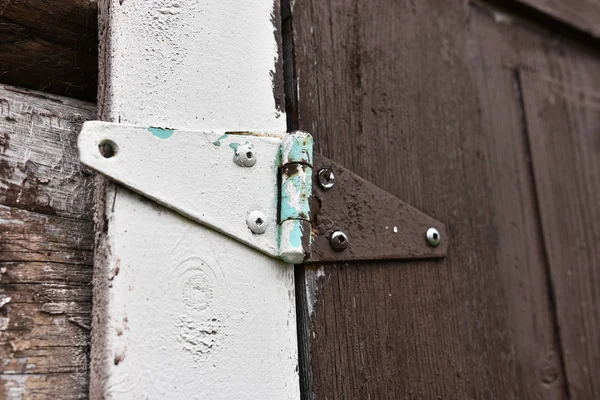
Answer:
(200, 175)
(379, 226)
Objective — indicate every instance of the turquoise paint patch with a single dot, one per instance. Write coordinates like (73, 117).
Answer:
(277, 160)
(295, 193)
(235, 146)
(161, 133)
(300, 147)
(296, 235)
(218, 141)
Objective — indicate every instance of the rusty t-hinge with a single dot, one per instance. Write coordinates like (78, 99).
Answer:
(267, 190)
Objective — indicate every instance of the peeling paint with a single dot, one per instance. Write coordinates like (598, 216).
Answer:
(161, 133)
(15, 386)
(313, 278)
(294, 237)
(296, 189)
(297, 147)
(4, 301)
(234, 147)
(218, 141)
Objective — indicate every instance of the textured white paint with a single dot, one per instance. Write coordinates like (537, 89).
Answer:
(191, 173)
(181, 311)
(195, 65)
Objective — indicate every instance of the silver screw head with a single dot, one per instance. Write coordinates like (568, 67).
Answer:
(433, 237)
(326, 178)
(339, 241)
(257, 222)
(245, 155)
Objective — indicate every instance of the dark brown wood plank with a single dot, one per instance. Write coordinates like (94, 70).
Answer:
(46, 240)
(72, 23)
(563, 121)
(558, 87)
(385, 89)
(50, 45)
(498, 50)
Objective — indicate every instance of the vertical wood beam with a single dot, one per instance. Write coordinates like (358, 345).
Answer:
(181, 311)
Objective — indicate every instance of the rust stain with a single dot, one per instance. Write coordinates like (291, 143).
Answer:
(257, 134)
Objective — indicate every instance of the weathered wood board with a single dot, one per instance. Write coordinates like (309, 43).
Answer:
(46, 237)
(436, 116)
(50, 45)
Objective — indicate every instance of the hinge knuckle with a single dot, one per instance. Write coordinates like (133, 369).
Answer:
(295, 191)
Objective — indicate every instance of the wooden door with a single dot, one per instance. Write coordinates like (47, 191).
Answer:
(483, 114)
(487, 119)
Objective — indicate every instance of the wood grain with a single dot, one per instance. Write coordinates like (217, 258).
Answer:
(384, 88)
(497, 53)
(50, 46)
(38, 155)
(581, 14)
(557, 87)
(431, 109)
(46, 240)
(563, 121)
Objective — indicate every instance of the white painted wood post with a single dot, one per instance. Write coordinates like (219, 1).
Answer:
(181, 311)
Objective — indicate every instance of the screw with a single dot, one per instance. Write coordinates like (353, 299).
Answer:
(339, 241)
(433, 237)
(257, 222)
(326, 178)
(245, 156)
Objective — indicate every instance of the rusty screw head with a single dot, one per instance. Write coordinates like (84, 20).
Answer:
(326, 178)
(339, 241)
(433, 237)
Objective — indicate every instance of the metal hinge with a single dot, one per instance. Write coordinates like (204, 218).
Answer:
(269, 191)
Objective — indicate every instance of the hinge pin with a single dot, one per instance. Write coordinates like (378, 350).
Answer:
(295, 233)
